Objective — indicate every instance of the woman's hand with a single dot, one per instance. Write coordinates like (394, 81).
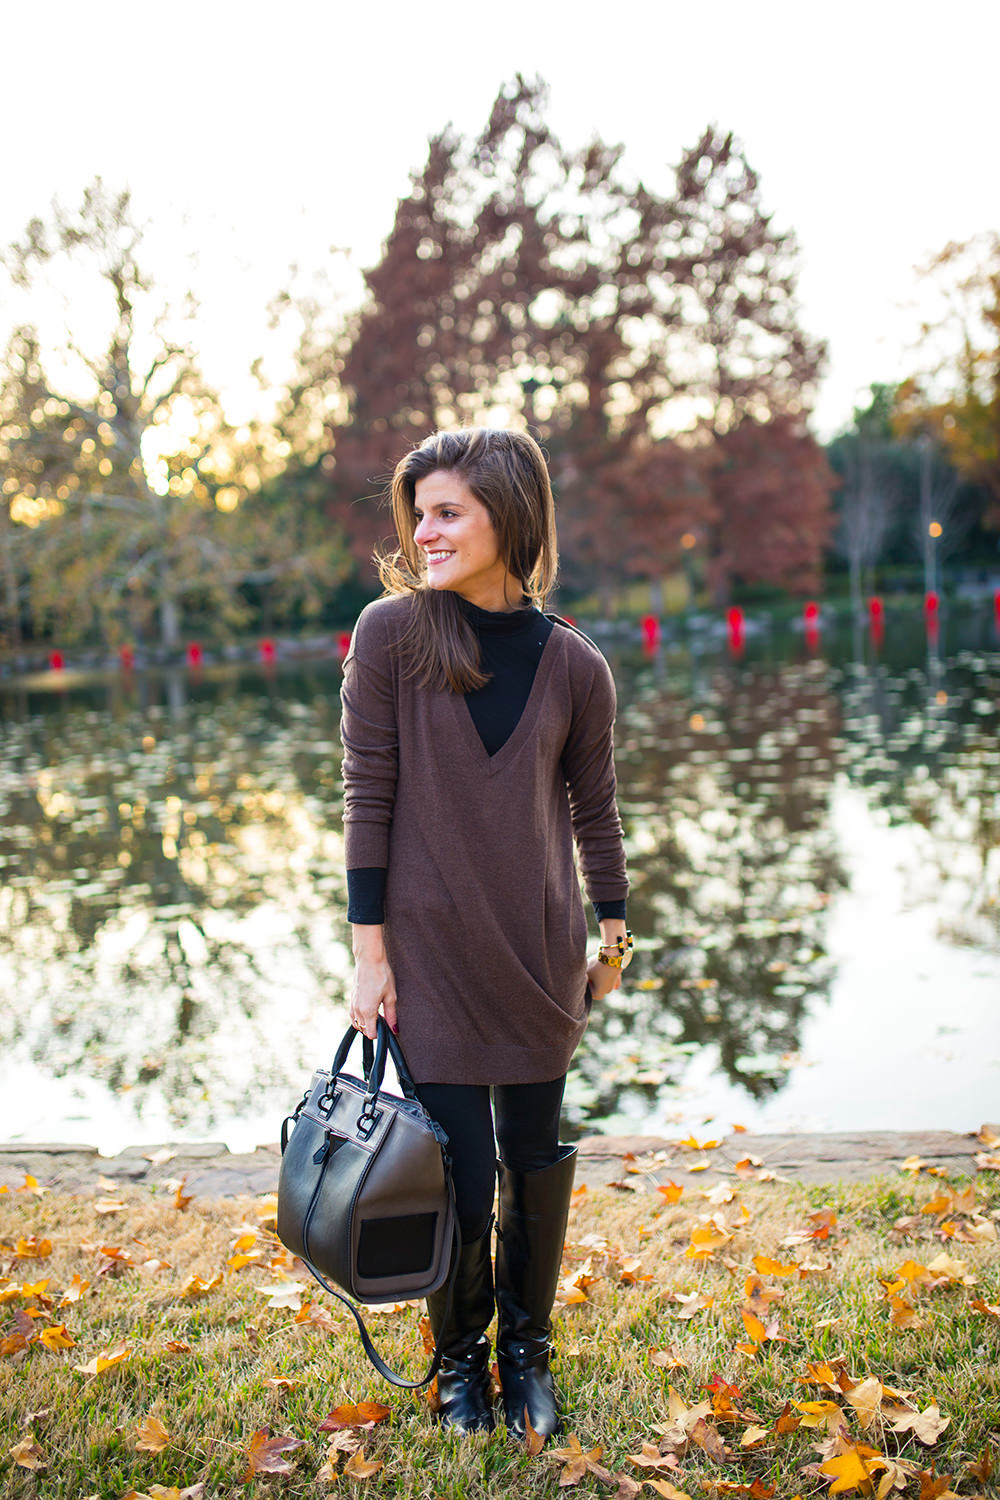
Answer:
(373, 988)
(603, 978)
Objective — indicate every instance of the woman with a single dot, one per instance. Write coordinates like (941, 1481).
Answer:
(477, 746)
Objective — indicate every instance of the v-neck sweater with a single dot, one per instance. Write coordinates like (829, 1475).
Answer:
(484, 927)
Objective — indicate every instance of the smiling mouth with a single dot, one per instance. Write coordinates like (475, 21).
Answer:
(438, 557)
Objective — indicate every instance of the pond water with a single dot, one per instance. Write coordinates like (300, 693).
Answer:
(814, 844)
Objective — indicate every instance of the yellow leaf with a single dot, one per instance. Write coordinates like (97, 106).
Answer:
(819, 1414)
(672, 1191)
(195, 1286)
(849, 1470)
(105, 1360)
(151, 1436)
(32, 1248)
(665, 1488)
(754, 1327)
(768, 1267)
(57, 1337)
(282, 1383)
(74, 1291)
(754, 1436)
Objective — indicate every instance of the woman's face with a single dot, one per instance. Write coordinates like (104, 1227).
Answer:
(454, 532)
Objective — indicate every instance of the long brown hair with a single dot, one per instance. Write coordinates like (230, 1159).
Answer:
(506, 471)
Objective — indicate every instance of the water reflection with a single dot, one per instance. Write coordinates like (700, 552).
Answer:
(172, 932)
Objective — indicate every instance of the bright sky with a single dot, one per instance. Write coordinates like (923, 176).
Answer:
(260, 134)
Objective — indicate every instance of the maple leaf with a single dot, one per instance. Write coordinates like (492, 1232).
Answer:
(935, 1487)
(264, 1454)
(903, 1314)
(866, 1398)
(28, 1454)
(57, 1337)
(576, 1463)
(106, 1206)
(696, 1145)
(315, 1316)
(106, 1359)
(768, 1267)
(31, 1248)
(819, 1414)
(754, 1437)
(182, 1199)
(667, 1358)
(282, 1383)
(652, 1458)
(151, 1436)
(30, 1185)
(672, 1191)
(787, 1421)
(359, 1467)
(174, 1346)
(74, 1291)
(283, 1293)
(690, 1303)
(363, 1414)
(668, 1490)
(982, 1467)
(926, 1425)
(851, 1470)
(709, 1440)
(988, 1309)
(534, 1441)
(12, 1343)
(705, 1240)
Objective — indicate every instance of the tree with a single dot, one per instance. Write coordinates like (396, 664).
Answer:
(738, 359)
(525, 282)
(122, 464)
(956, 394)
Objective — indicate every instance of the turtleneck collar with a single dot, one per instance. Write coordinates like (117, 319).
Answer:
(497, 621)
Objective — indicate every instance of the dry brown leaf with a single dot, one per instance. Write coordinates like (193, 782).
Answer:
(534, 1441)
(359, 1467)
(152, 1436)
(105, 1206)
(866, 1398)
(926, 1425)
(652, 1458)
(665, 1488)
(361, 1414)
(28, 1454)
(264, 1454)
(31, 1248)
(709, 1440)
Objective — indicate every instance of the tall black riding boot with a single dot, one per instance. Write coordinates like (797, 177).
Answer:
(463, 1380)
(533, 1210)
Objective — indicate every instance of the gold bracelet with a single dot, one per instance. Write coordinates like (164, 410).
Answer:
(621, 949)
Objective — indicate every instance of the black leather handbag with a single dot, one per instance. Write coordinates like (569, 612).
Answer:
(365, 1196)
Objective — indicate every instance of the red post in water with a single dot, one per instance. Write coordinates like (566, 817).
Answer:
(194, 654)
(650, 627)
(56, 661)
(344, 643)
(267, 651)
(735, 622)
(810, 616)
(996, 608)
(876, 619)
(127, 657)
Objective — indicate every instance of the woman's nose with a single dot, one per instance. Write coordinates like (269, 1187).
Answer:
(424, 529)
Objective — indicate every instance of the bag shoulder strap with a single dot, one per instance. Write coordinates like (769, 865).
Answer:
(369, 1347)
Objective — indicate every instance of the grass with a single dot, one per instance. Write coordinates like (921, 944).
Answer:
(211, 1394)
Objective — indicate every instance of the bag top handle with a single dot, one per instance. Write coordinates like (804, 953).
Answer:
(374, 1067)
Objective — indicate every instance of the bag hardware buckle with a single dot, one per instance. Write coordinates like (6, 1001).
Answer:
(367, 1119)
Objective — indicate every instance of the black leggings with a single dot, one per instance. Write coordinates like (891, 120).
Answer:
(527, 1133)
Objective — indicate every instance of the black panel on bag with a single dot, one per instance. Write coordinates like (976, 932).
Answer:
(398, 1246)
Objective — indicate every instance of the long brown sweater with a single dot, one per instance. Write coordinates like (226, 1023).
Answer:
(485, 928)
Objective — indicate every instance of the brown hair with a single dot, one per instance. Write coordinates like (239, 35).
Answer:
(506, 472)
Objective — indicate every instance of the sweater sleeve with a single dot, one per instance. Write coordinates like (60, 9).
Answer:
(589, 769)
(369, 734)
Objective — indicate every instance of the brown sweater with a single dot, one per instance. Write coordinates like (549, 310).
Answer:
(485, 928)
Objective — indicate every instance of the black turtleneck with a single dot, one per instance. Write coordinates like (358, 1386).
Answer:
(510, 648)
